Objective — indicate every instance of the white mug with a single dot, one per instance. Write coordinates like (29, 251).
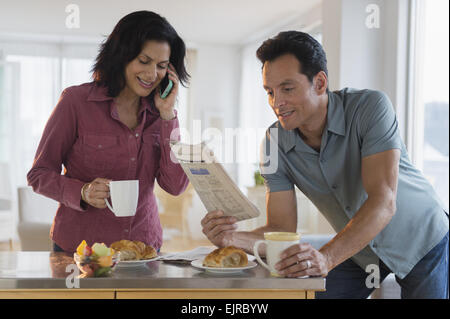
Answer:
(124, 197)
(275, 242)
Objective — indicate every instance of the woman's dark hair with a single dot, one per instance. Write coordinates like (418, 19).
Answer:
(304, 47)
(126, 42)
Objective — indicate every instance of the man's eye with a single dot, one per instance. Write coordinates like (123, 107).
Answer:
(269, 93)
(288, 89)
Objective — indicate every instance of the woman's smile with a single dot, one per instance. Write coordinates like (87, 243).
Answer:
(145, 84)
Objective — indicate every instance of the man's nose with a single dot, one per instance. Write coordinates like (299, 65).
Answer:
(278, 101)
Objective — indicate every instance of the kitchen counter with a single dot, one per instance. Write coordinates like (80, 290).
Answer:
(51, 275)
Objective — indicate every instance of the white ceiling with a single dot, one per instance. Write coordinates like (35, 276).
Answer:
(197, 21)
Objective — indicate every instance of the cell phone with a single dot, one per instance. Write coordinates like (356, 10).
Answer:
(167, 84)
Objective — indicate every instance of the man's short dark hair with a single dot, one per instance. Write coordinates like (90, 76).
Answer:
(126, 42)
(304, 47)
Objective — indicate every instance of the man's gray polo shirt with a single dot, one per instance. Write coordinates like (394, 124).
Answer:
(359, 123)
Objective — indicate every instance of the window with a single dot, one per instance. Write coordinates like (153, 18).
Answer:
(430, 127)
(75, 71)
(38, 82)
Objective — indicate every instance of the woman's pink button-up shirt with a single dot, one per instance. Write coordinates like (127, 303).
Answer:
(85, 135)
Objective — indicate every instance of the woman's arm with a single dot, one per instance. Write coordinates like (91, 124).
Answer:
(170, 176)
(59, 135)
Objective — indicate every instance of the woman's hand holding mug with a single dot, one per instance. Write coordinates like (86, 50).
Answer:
(95, 192)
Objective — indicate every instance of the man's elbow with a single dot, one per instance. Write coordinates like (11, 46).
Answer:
(391, 203)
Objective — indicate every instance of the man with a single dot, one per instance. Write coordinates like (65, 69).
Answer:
(342, 149)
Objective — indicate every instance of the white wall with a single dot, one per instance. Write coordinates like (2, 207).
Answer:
(214, 91)
(363, 57)
(216, 79)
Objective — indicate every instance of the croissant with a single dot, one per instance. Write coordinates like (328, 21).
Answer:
(227, 257)
(133, 250)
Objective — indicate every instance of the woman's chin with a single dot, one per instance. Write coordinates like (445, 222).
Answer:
(143, 92)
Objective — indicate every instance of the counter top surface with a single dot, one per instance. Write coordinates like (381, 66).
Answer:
(52, 270)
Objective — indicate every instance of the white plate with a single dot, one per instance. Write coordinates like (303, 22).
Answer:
(198, 263)
(135, 263)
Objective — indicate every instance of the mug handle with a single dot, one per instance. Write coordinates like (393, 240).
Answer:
(255, 252)
(109, 205)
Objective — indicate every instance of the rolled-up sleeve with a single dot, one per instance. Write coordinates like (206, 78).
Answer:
(170, 176)
(58, 138)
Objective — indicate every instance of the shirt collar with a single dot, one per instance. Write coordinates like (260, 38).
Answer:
(335, 114)
(289, 140)
(335, 123)
(148, 103)
(100, 93)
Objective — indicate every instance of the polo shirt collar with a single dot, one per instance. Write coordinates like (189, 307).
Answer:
(289, 140)
(335, 114)
(335, 122)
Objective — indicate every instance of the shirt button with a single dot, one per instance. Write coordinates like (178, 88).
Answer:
(100, 146)
(137, 134)
(334, 186)
(130, 136)
(126, 230)
(347, 208)
(133, 159)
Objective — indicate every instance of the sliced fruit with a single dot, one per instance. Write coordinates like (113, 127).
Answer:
(80, 248)
(100, 249)
(105, 261)
(87, 251)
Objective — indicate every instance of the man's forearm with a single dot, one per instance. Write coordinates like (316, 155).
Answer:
(367, 223)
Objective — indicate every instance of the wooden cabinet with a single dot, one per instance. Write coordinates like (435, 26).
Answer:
(155, 294)
(57, 294)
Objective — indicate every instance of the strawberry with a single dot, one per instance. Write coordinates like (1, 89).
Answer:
(87, 251)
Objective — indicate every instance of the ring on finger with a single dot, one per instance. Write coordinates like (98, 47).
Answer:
(308, 264)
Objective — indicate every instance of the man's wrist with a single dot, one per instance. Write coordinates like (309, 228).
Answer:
(328, 258)
(230, 240)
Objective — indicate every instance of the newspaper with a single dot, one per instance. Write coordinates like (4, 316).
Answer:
(185, 257)
(214, 186)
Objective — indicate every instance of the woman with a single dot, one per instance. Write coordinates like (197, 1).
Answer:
(114, 128)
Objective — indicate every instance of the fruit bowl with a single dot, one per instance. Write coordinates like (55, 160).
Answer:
(98, 261)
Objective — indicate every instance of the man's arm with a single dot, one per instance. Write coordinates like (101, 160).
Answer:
(380, 177)
(281, 216)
